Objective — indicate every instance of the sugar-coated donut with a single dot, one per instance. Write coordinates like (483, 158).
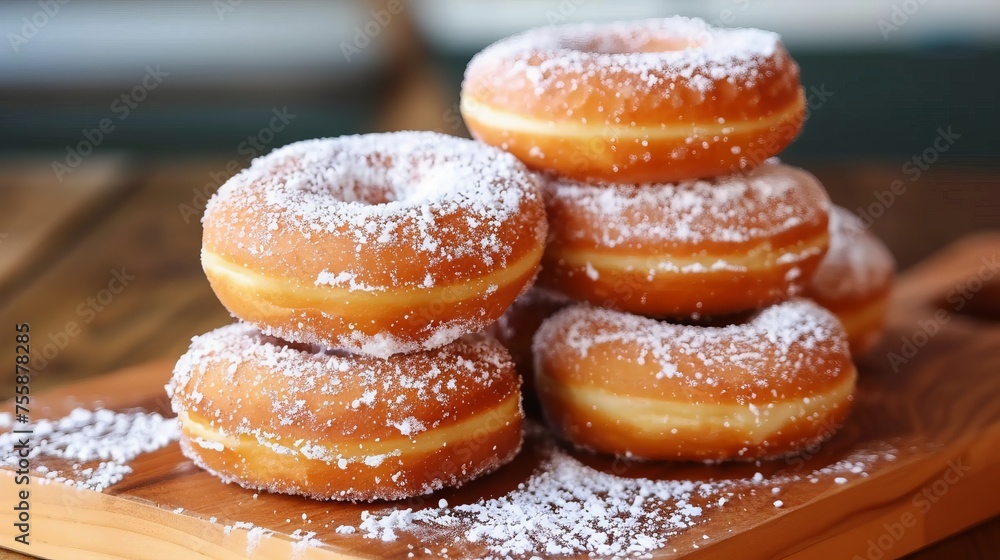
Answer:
(700, 247)
(516, 328)
(288, 418)
(378, 244)
(633, 386)
(639, 102)
(854, 280)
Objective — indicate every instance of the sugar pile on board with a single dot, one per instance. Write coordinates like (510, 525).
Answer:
(566, 507)
(96, 446)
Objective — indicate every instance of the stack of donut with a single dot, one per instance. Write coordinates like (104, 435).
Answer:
(362, 268)
(668, 317)
(634, 164)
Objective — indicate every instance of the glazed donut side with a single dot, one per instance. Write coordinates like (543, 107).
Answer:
(638, 102)
(632, 386)
(854, 280)
(379, 244)
(286, 418)
(699, 247)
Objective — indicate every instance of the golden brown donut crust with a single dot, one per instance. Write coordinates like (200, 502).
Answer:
(288, 418)
(700, 247)
(650, 101)
(379, 244)
(628, 385)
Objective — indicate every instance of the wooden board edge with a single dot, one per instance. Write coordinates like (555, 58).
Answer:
(932, 503)
(101, 525)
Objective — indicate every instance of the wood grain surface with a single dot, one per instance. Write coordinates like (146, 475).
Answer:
(939, 409)
(147, 235)
(40, 214)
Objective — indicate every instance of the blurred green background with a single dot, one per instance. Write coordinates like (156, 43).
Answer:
(893, 71)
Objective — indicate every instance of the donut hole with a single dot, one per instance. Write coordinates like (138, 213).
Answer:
(620, 44)
(383, 181)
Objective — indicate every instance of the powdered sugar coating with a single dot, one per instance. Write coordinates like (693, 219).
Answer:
(632, 102)
(355, 385)
(421, 194)
(783, 350)
(857, 264)
(638, 55)
(322, 405)
(768, 201)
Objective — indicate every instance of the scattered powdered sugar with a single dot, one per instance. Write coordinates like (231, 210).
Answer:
(409, 426)
(345, 280)
(564, 508)
(770, 200)
(96, 446)
(569, 508)
(856, 264)
(768, 351)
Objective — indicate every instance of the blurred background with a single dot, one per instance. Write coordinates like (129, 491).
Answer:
(895, 70)
(121, 118)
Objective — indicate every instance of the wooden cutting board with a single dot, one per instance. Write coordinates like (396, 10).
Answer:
(924, 442)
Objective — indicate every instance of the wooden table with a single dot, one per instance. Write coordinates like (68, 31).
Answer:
(119, 224)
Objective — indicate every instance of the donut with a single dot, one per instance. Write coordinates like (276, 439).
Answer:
(854, 280)
(517, 326)
(698, 247)
(290, 418)
(652, 101)
(377, 244)
(632, 386)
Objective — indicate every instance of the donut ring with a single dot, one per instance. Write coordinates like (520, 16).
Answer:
(378, 244)
(274, 416)
(652, 101)
(854, 280)
(700, 247)
(628, 385)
